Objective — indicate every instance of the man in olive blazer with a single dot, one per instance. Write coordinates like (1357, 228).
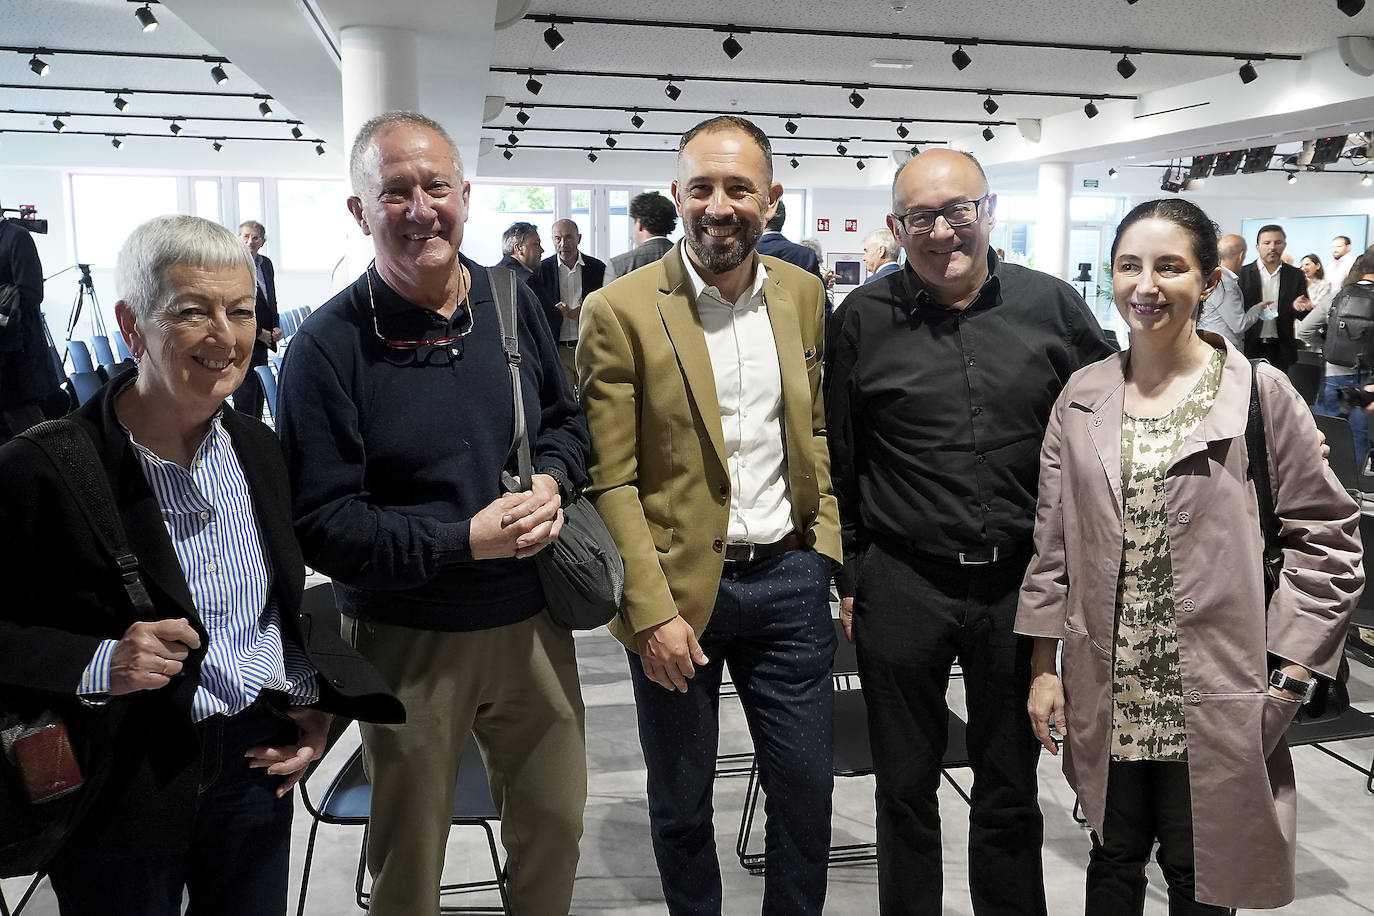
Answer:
(670, 360)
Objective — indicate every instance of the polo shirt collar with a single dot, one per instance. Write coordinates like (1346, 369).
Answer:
(989, 294)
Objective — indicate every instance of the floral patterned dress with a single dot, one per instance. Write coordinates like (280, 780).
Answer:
(1147, 686)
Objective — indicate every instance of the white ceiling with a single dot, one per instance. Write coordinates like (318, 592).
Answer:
(277, 50)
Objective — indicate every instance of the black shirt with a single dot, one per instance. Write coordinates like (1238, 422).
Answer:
(936, 415)
(391, 452)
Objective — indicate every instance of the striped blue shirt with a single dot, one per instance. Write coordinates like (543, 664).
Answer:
(208, 512)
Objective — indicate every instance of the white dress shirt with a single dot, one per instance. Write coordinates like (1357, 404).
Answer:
(1269, 292)
(1340, 269)
(570, 292)
(1224, 311)
(744, 361)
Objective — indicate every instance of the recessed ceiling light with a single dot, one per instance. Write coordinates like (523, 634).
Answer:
(890, 63)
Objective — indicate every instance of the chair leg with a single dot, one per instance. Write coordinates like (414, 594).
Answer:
(497, 868)
(957, 788)
(752, 862)
(305, 870)
(362, 864)
(24, 900)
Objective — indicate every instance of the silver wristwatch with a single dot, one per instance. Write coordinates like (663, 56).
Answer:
(1281, 681)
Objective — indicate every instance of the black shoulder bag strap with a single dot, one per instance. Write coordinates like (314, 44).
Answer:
(504, 289)
(73, 454)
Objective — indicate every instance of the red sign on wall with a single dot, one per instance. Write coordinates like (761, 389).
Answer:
(851, 225)
(822, 225)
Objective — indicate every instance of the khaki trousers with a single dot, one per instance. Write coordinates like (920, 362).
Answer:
(516, 689)
(568, 356)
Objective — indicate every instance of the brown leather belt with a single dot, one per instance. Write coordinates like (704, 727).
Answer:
(750, 553)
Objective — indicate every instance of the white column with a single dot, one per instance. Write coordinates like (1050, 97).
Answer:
(1052, 224)
(380, 73)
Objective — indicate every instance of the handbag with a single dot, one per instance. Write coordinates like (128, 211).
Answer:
(1328, 698)
(49, 780)
(582, 572)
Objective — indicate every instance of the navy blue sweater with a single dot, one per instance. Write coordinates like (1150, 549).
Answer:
(391, 452)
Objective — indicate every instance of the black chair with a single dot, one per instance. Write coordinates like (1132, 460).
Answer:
(269, 388)
(103, 354)
(81, 356)
(1306, 375)
(347, 801)
(85, 385)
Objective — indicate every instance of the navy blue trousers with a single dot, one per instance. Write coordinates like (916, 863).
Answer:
(237, 863)
(771, 624)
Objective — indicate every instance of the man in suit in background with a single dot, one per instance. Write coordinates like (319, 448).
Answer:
(1267, 282)
(652, 219)
(880, 254)
(701, 384)
(774, 243)
(249, 397)
(567, 277)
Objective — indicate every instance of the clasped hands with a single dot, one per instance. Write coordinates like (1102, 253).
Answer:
(518, 524)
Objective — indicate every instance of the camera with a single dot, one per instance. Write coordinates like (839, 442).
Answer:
(28, 218)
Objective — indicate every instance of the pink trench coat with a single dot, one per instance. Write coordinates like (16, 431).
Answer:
(1240, 772)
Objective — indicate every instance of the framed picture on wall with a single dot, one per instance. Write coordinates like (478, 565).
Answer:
(848, 267)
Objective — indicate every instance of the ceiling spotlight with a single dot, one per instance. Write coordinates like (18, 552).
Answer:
(987, 133)
(860, 165)
(637, 121)
(841, 149)
(915, 150)
(855, 99)
(217, 145)
(120, 103)
(512, 138)
(731, 47)
(1113, 174)
(672, 92)
(960, 58)
(175, 128)
(1292, 177)
(1247, 73)
(902, 131)
(790, 126)
(296, 132)
(793, 162)
(610, 141)
(1125, 67)
(39, 65)
(218, 74)
(145, 17)
(508, 155)
(552, 38)
(264, 109)
(319, 149)
(990, 105)
(533, 85)
(591, 156)
(1350, 7)
(1365, 180)
(522, 116)
(1090, 109)
(59, 125)
(116, 143)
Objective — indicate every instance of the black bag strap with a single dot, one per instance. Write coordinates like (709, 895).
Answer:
(503, 286)
(1257, 449)
(70, 449)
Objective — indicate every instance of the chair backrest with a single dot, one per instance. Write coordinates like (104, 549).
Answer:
(1306, 376)
(85, 384)
(103, 354)
(122, 348)
(269, 386)
(81, 356)
(1342, 445)
(57, 363)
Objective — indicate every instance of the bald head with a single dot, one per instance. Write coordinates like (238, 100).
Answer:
(948, 246)
(925, 163)
(1231, 249)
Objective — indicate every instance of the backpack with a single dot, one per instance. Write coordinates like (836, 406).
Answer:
(1350, 327)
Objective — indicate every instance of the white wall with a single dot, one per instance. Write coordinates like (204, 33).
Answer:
(869, 206)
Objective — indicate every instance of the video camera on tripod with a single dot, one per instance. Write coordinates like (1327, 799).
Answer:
(28, 218)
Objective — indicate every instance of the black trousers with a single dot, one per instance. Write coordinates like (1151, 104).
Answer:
(249, 397)
(1146, 800)
(914, 617)
(772, 624)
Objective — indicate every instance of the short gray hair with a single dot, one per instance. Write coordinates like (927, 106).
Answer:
(163, 242)
(382, 123)
(515, 236)
(256, 226)
(884, 237)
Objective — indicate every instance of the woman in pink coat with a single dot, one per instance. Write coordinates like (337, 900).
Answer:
(1177, 683)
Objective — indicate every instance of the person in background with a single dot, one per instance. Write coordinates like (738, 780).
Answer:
(1318, 287)
(27, 375)
(198, 718)
(881, 252)
(652, 220)
(250, 396)
(1224, 312)
(1269, 283)
(1313, 330)
(1176, 685)
(572, 275)
(1342, 258)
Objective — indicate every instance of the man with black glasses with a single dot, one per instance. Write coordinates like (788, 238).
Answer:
(937, 394)
(395, 415)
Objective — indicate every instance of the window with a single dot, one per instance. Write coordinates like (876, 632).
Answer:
(205, 196)
(491, 210)
(250, 202)
(313, 223)
(107, 208)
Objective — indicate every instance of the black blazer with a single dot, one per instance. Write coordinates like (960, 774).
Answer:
(62, 600)
(545, 286)
(268, 319)
(1292, 284)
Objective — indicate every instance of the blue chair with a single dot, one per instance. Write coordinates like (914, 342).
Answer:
(81, 356)
(269, 387)
(122, 348)
(103, 354)
(86, 385)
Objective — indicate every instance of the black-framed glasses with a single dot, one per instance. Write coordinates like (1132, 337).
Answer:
(960, 213)
(463, 315)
